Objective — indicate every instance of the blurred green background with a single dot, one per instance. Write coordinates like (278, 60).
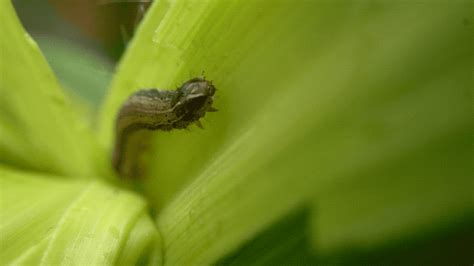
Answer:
(83, 41)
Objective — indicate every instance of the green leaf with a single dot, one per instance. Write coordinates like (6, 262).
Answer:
(317, 100)
(422, 191)
(47, 221)
(38, 128)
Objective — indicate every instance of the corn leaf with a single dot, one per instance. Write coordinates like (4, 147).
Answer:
(47, 221)
(353, 107)
(38, 128)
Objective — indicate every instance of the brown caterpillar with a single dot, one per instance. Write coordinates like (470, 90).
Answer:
(154, 109)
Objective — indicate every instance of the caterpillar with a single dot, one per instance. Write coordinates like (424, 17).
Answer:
(152, 109)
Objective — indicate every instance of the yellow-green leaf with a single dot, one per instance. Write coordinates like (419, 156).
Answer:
(48, 221)
(313, 97)
(38, 129)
